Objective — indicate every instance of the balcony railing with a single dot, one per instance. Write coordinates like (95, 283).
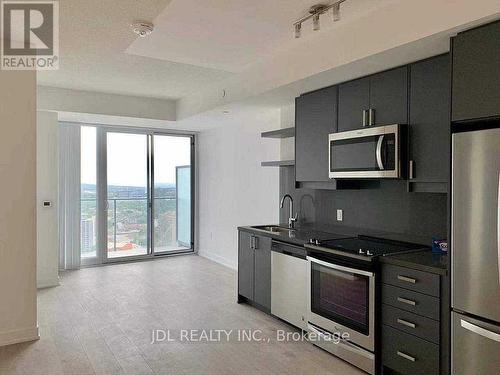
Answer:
(127, 220)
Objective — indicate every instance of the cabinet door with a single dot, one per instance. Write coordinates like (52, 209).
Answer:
(354, 98)
(245, 265)
(430, 119)
(262, 274)
(389, 97)
(315, 118)
(476, 82)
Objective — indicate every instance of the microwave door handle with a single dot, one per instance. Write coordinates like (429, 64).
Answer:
(379, 152)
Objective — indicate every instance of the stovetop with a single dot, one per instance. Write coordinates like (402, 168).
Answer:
(363, 247)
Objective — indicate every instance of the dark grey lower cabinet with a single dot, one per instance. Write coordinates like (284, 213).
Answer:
(254, 270)
(414, 322)
(245, 265)
(262, 272)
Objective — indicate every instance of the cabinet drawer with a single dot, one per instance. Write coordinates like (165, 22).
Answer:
(408, 354)
(407, 300)
(425, 328)
(419, 281)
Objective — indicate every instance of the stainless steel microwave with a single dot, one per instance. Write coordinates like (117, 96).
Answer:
(366, 153)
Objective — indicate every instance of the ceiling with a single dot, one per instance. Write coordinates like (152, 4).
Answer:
(196, 43)
(232, 35)
(94, 35)
(208, 54)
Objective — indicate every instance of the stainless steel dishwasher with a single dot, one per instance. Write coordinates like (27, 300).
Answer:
(289, 283)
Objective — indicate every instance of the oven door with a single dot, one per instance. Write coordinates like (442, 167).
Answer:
(365, 153)
(342, 300)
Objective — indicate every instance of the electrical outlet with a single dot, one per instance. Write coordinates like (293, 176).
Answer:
(340, 215)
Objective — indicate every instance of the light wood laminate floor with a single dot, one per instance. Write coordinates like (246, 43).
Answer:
(100, 321)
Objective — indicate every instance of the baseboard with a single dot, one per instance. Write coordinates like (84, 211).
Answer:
(47, 283)
(20, 335)
(218, 259)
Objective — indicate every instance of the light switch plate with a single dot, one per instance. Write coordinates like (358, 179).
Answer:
(340, 215)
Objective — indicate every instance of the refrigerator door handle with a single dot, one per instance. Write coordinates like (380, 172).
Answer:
(480, 331)
(498, 228)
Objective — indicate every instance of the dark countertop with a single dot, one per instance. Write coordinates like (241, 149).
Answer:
(299, 236)
(422, 261)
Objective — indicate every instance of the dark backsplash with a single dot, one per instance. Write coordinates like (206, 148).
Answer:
(387, 207)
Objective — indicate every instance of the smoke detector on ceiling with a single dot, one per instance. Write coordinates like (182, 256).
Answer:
(143, 29)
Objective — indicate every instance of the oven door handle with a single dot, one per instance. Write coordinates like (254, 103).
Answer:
(340, 268)
(351, 347)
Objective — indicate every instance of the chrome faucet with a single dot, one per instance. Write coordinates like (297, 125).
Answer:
(291, 218)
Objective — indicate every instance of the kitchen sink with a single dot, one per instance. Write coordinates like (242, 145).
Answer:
(274, 229)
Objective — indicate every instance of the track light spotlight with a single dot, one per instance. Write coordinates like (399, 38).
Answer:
(336, 12)
(316, 25)
(298, 28)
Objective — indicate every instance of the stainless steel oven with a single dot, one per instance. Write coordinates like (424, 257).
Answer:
(341, 302)
(366, 153)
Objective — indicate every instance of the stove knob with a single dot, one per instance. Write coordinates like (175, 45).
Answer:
(318, 242)
(361, 251)
(311, 241)
(369, 253)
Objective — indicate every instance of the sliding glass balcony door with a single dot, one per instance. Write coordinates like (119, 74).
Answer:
(136, 199)
(171, 193)
(128, 195)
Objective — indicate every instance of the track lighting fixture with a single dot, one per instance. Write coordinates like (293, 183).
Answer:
(315, 12)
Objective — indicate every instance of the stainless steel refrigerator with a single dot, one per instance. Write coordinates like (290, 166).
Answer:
(475, 241)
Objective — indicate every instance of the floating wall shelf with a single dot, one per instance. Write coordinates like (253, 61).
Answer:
(278, 163)
(280, 133)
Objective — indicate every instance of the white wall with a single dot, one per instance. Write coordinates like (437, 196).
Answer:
(47, 164)
(18, 319)
(233, 189)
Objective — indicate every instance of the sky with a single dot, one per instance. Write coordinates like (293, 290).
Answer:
(127, 157)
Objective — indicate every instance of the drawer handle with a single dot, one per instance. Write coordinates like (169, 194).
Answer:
(407, 279)
(406, 323)
(407, 301)
(406, 356)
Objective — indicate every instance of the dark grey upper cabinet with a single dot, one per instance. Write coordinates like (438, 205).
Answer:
(430, 120)
(476, 78)
(245, 265)
(379, 99)
(354, 98)
(262, 275)
(315, 118)
(389, 97)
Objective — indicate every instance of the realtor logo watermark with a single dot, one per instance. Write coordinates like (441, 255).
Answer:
(29, 35)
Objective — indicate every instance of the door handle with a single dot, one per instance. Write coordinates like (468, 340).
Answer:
(252, 241)
(407, 301)
(412, 172)
(407, 279)
(498, 228)
(365, 117)
(256, 243)
(371, 117)
(406, 323)
(406, 356)
(480, 331)
(379, 152)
